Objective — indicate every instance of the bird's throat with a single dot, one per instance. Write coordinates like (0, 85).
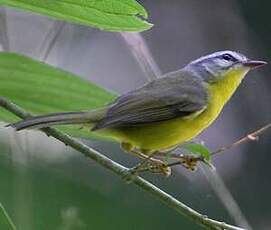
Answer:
(222, 91)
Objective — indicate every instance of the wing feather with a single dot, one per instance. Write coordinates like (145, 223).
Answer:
(178, 94)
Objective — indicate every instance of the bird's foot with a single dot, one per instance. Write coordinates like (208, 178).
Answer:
(154, 166)
(149, 162)
(160, 167)
(190, 161)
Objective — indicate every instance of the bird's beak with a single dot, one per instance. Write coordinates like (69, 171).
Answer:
(254, 64)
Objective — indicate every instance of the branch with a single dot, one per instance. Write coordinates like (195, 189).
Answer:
(123, 172)
(254, 136)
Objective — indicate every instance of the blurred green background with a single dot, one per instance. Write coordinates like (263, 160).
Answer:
(45, 185)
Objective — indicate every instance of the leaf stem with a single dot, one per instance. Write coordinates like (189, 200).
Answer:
(7, 217)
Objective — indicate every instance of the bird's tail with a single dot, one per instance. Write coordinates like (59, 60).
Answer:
(60, 119)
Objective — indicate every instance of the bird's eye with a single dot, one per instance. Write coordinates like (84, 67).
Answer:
(228, 57)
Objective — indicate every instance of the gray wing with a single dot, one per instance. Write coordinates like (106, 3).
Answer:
(178, 94)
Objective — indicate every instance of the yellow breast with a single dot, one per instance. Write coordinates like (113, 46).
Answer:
(167, 134)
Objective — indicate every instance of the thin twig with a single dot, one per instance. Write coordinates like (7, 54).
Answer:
(122, 171)
(254, 136)
(249, 137)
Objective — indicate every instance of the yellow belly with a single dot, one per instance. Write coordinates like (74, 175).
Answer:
(167, 134)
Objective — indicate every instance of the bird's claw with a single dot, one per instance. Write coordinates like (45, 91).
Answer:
(160, 167)
(190, 162)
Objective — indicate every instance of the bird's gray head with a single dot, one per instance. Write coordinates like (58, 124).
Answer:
(215, 66)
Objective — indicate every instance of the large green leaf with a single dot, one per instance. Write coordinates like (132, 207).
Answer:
(40, 88)
(112, 15)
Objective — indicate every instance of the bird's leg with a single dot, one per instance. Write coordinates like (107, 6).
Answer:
(130, 149)
(156, 165)
(152, 164)
(189, 161)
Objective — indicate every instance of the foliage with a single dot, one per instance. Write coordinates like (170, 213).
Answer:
(117, 15)
(40, 88)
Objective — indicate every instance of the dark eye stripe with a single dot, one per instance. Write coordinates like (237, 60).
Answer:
(228, 57)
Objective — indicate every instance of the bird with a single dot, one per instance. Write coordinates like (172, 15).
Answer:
(165, 112)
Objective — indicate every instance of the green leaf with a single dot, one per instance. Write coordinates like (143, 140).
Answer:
(5, 220)
(111, 15)
(40, 88)
(198, 149)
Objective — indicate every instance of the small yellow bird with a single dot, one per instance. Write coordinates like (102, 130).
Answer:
(166, 112)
